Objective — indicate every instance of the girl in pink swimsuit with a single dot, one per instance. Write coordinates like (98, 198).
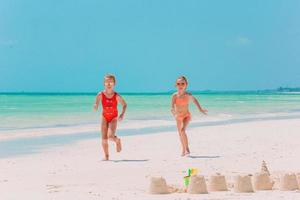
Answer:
(180, 110)
(110, 100)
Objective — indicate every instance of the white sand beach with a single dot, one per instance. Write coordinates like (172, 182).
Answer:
(76, 171)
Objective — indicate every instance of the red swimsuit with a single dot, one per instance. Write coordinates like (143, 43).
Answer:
(109, 107)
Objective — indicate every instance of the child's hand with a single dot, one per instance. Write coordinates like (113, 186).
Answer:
(204, 111)
(95, 107)
(173, 112)
(121, 117)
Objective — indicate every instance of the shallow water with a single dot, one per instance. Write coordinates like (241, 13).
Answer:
(19, 111)
(147, 114)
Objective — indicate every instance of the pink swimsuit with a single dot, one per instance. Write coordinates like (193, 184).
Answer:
(183, 102)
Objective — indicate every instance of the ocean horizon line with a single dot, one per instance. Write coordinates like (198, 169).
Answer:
(258, 91)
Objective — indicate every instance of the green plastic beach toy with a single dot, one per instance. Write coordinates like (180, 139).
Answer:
(186, 180)
(190, 172)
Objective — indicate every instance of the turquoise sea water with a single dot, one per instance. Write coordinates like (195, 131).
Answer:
(23, 114)
(21, 111)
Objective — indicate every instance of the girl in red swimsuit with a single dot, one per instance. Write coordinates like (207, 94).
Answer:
(180, 110)
(110, 100)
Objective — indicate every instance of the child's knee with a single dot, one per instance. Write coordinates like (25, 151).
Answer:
(182, 131)
(104, 139)
(104, 142)
(104, 136)
(112, 137)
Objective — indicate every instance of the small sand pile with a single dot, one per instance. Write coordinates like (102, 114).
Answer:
(158, 185)
(243, 184)
(264, 168)
(197, 185)
(288, 182)
(262, 181)
(217, 183)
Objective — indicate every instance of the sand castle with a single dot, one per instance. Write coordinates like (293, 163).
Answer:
(217, 183)
(288, 182)
(197, 185)
(158, 185)
(243, 184)
(262, 180)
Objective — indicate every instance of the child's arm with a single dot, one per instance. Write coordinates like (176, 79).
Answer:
(124, 106)
(204, 111)
(173, 104)
(98, 99)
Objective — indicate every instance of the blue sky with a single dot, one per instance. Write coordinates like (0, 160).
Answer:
(67, 46)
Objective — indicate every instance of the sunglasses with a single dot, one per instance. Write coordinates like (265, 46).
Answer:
(180, 84)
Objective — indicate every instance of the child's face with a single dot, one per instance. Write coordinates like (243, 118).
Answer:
(109, 83)
(180, 84)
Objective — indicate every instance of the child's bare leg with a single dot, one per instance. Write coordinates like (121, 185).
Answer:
(112, 134)
(179, 127)
(185, 139)
(104, 130)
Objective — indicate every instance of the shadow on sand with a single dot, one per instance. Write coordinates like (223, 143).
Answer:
(203, 157)
(125, 160)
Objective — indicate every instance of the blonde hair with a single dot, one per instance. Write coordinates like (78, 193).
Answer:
(110, 76)
(183, 78)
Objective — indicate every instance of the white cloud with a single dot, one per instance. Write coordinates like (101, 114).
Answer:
(243, 41)
(240, 41)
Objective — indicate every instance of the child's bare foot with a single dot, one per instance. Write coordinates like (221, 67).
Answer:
(106, 158)
(187, 152)
(118, 144)
(183, 153)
